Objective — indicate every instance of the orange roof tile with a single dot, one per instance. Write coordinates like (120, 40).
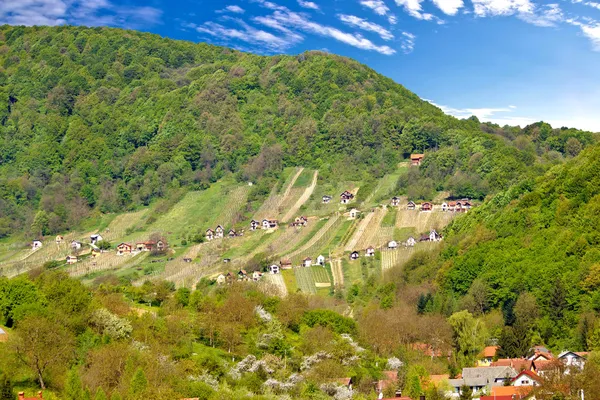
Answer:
(490, 351)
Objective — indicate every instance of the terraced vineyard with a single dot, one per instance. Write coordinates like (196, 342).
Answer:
(270, 208)
(231, 213)
(423, 221)
(291, 213)
(360, 230)
(305, 280)
(277, 281)
(398, 257)
(106, 262)
(371, 231)
(318, 242)
(321, 277)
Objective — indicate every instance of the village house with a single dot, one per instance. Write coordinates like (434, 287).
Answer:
(210, 234)
(346, 197)
(452, 206)
(300, 222)
(427, 206)
(444, 206)
(242, 275)
(321, 260)
(94, 239)
(395, 201)
(285, 263)
(355, 255)
(434, 236)
(274, 269)
(518, 364)
(573, 359)
(307, 262)
(39, 396)
(527, 378)
(390, 378)
(187, 260)
(75, 245)
(508, 393)
(232, 233)
(145, 246)
(254, 225)
(96, 252)
(124, 248)
(59, 239)
(416, 159)
(370, 252)
(327, 199)
(36, 244)
(481, 379)
(269, 223)
(354, 213)
(411, 205)
(226, 260)
(487, 356)
(410, 242)
(161, 245)
(71, 260)
(219, 232)
(392, 244)
(256, 276)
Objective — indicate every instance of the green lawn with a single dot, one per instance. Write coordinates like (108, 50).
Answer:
(390, 217)
(304, 179)
(290, 280)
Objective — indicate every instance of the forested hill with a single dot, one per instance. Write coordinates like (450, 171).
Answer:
(105, 120)
(541, 239)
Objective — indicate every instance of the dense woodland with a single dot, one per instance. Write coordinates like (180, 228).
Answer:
(104, 120)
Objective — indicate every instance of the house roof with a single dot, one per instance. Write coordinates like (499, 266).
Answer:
(124, 244)
(481, 376)
(416, 156)
(518, 364)
(490, 351)
(530, 374)
(578, 354)
(517, 391)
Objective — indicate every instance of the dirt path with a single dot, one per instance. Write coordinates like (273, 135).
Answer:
(303, 199)
(364, 223)
(274, 201)
(337, 272)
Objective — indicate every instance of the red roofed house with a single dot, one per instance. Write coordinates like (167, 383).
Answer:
(515, 392)
(518, 364)
(390, 378)
(527, 378)
(22, 396)
(124, 248)
(426, 206)
(415, 159)
(487, 356)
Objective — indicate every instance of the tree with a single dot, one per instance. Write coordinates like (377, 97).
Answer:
(414, 377)
(6, 388)
(465, 393)
(15, 293)
(41, 344)
(100, 395)
(468, 336)
(138, 385)
(573, 147)
(73, 388)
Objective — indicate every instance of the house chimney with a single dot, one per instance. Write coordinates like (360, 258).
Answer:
(21, 395)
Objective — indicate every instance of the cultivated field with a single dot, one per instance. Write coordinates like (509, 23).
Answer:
(277, 281)
(302, 199)
(398, 257)
(423, 221)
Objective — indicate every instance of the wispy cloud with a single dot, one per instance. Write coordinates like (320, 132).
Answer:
(449, 7)
(414, 9)
(485, 8)
(378, 6)
(90, 12)
(233, 9)
(365, 25)
(408, 42)
(590, 29)
(308, 4)
(392, 19)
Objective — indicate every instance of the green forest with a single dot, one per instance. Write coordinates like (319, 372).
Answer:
(105, 120)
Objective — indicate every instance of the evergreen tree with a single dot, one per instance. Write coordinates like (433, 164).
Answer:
(73, 388)
(465, 393)
(100, 395)
(138, 384)
(115, 396)
(6, 388)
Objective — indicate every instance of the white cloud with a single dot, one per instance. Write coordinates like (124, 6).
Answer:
(414, 9)
(449, 7)
(308, 4)
(549, 15)
(235, 9)
(392, 19)
(378, 6)
(90, 12)
(484, 8)
(408, 42)
(590, 29)
(358, 22)
(292, 20)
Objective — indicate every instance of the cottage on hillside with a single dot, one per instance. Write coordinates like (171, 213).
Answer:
(36, 244)
(75, 245)
(219, 232)
(307, 262)
(452, 206)
(3, 336)
(416, 159)
(269, 223)
(59, 239)
(94, 239)
(410, 242)
(232, 233)
(274, 269)
(254, 225)
(187, 260)
(392, 244)
(487, 356)
(354, 213)
(96, 252)
(444, 206)
(327, 199)
(221, 279)
(395, 201)
(427, 206)
(124, 248)
(285, 263)
(346, 197)
(256, 276)
(321, 260)
(71, 260)
(573, 359)
(434, 236)
(210, 234)
(370, 252)
(411, 205)
(145, 246)
(300, 222)
(242, 275)
(355, 255)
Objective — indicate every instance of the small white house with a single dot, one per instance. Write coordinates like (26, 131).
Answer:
(434, 236)
(71, 260)
(393, 244)
(274, 269)
(410, 242)
(444, 206)
(219, 232)
(94, 239)
(256, 276)
(36, 244)
(327, 199)
(307, 262)
(526, 378)
(75, 245)
(254, 225)
(355, 255)
(321, 260)
(370, 252)
(210, 234)
(354, 213)
(572, 359)
(395, 201)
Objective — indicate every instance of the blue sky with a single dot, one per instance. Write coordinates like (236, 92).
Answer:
(507, 61)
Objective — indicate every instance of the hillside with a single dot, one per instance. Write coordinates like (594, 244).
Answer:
(105, 120)
(538, 237)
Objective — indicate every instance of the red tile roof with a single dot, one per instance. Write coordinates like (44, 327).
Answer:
(530, 374)
(519, 364)
(518, 391)
(490, 351)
